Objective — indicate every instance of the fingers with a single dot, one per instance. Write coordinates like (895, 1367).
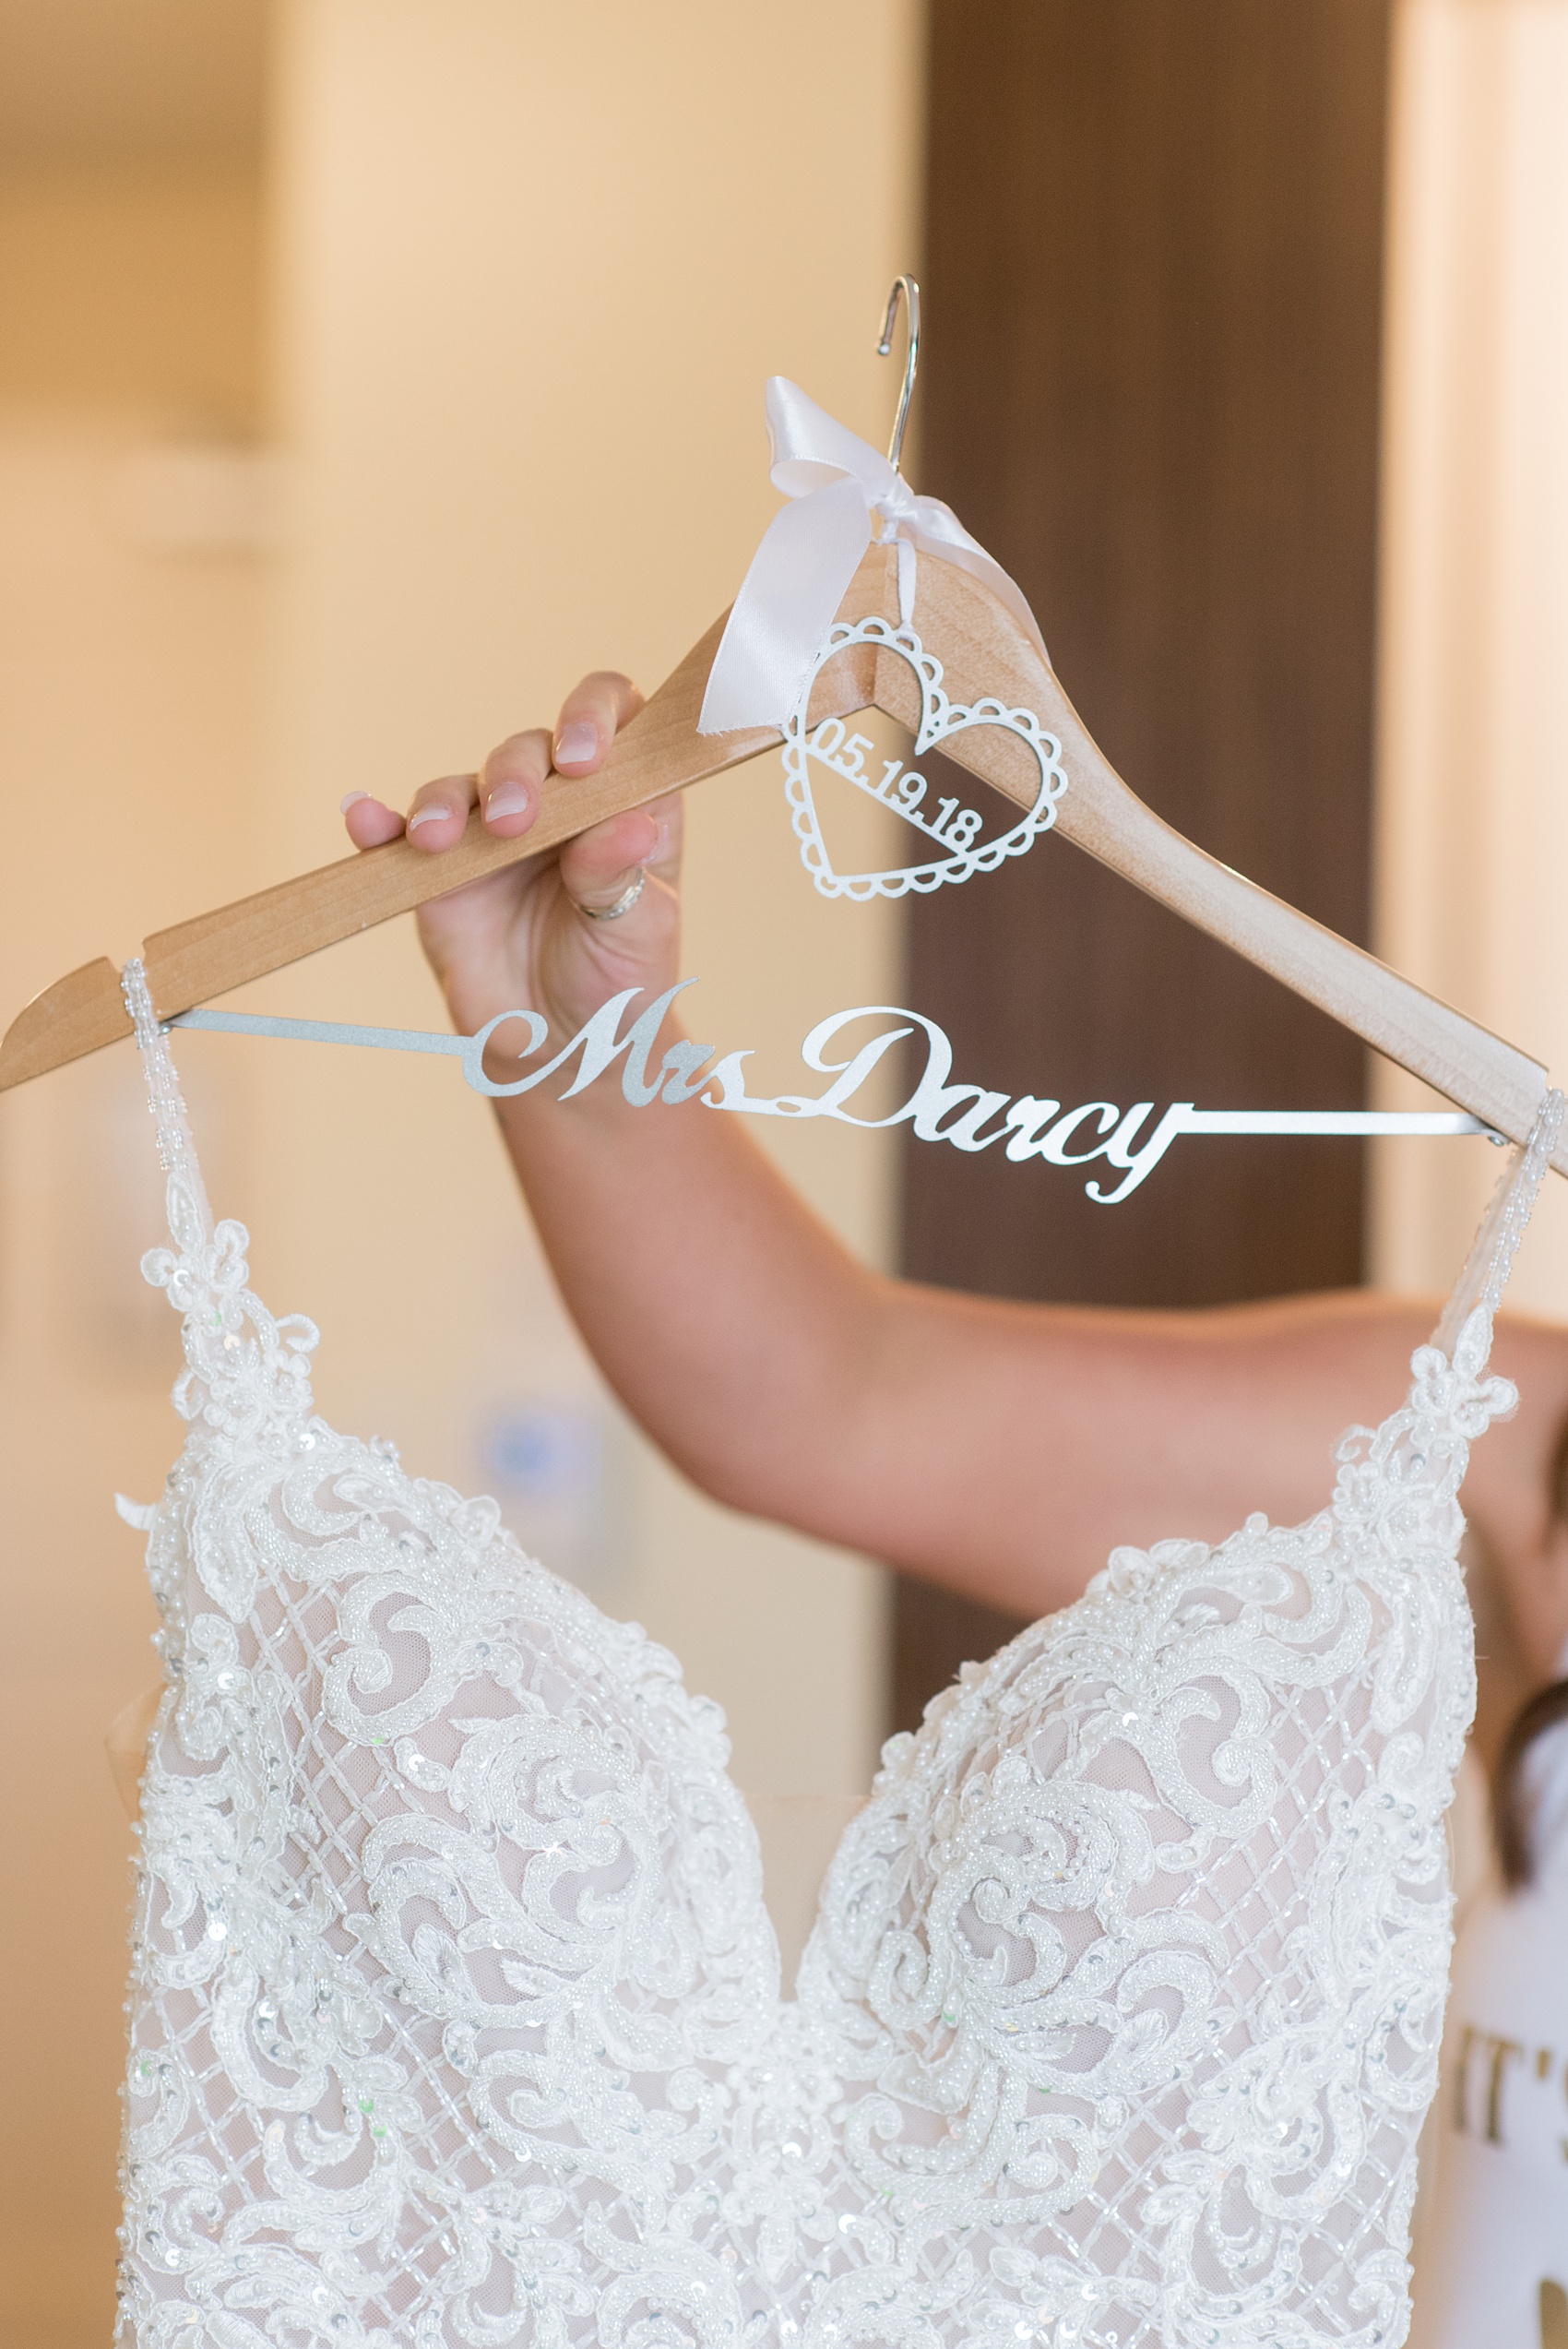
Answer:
(610, 852)
(669, 819)
(590, 717)
(435, 821)
(601, 865)
(369, 824)
(438, 813)
(507, 788)
(509, 783)
(513, 774)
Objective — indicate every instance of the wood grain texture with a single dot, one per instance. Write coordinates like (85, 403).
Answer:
(983, 651)
(659, 751)
(80, 1013)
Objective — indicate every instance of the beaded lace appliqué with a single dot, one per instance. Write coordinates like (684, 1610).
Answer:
(455, 2005)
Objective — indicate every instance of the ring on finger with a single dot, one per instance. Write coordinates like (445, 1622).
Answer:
(622, 905)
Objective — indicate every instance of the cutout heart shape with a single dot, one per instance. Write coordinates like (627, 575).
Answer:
(957, 829)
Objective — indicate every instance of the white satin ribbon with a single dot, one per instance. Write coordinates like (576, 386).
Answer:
(842, 491)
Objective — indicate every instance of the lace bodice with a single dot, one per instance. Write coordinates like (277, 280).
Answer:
(456, 2015)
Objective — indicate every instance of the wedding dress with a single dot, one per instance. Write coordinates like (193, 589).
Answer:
(456, 2017)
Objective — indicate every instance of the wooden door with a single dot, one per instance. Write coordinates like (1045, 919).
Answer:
(1149, 384)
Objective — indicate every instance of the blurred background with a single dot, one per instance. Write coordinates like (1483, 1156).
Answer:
(369, 369)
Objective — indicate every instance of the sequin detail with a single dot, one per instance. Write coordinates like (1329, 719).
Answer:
(455, 2005)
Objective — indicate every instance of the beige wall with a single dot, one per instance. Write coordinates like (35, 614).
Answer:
(529, 268)
(535, 265)
(132, 288)
(1473, 752)
(1473, 826)
(129, 709)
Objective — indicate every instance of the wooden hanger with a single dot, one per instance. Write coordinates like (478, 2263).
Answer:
(983, 651)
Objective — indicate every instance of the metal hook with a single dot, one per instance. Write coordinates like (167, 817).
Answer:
(912, 294)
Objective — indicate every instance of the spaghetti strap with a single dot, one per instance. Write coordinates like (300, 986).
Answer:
(1485, 1275)
(247, 1373)
(190, 1217)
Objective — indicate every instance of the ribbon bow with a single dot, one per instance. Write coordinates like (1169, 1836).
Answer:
(843, 490)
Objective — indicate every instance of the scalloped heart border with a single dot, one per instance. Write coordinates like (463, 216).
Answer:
(939, 720)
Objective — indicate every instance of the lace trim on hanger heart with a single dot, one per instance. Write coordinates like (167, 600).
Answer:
(958, 829)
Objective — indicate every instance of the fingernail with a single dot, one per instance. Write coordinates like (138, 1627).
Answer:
(350, 799)
(508, 799)
(577, 742)
(428, 816)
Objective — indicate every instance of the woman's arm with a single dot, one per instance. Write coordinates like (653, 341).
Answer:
(1003, 1450)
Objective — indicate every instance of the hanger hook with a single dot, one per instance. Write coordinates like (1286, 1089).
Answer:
(910, 291)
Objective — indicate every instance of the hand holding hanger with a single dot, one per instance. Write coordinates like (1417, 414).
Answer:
(543, 932)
